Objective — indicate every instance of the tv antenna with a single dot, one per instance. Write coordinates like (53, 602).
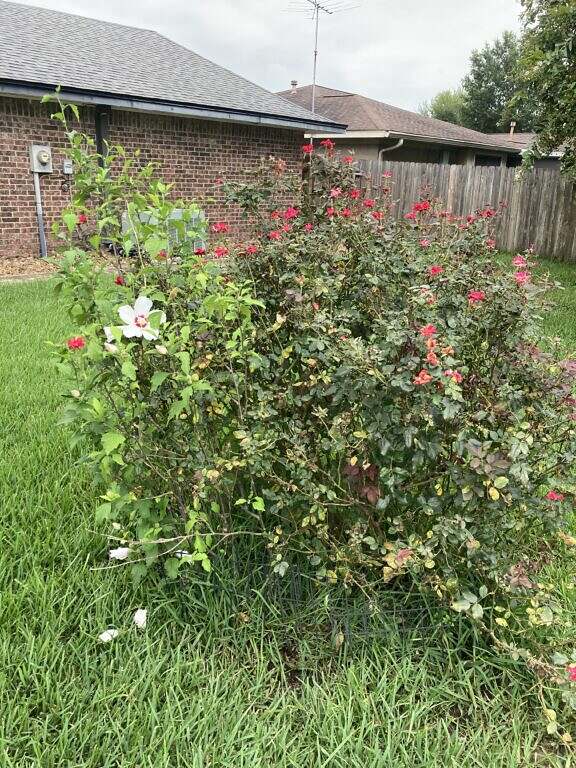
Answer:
(314, 8)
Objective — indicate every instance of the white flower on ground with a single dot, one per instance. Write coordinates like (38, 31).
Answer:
(108, 635)
(140, 617)
(140, 321)
(120, 553)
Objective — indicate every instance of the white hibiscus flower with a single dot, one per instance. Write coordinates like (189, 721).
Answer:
(140, 321)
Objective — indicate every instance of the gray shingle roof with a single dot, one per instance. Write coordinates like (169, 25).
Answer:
(49, 48)
(360, 113)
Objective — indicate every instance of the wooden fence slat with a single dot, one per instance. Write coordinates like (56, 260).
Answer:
(540, 206)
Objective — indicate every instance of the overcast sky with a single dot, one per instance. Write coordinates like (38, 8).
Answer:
(398, 51)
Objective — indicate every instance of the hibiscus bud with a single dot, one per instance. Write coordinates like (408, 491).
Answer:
(161, 349)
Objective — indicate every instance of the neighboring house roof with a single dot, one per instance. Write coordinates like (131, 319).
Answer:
(525, 140)
(362, 114)
(101, 62)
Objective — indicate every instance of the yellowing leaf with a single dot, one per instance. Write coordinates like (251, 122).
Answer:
(494, 494)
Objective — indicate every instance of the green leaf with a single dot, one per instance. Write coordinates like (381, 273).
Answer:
(258, 504)
(501, 482)
(70, 220)
(129, 370)
(171, 566)
(158, 379)
(103, 512)
(111, 441)
(477, 611)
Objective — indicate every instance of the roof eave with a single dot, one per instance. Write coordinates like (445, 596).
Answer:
(454, 142)
(176, 109)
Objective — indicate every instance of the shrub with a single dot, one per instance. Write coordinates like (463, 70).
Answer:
(362, 396)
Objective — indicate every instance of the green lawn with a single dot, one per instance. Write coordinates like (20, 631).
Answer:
(201, 687)
(561, 320)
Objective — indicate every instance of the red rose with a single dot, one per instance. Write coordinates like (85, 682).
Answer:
(422, 378)
(76, 342)
(119, 280)
(428, 330)
(328, 144)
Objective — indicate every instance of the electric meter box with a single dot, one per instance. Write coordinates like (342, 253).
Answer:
(67, 167)
(40, 158)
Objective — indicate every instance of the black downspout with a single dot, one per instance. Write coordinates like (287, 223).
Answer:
(102, 125)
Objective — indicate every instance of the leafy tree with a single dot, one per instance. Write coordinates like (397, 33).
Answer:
(491, 88)
(549, 74)
(447, 105)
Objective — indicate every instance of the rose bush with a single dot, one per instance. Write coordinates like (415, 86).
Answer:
(363, 397)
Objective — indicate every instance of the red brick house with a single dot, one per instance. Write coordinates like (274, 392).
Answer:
(134, 87)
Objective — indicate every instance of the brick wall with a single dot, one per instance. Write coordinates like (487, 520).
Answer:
(192, 154)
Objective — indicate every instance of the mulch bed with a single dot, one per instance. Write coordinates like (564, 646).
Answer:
(24, 269)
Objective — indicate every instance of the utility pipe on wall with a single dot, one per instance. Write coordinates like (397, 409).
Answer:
(40, 216)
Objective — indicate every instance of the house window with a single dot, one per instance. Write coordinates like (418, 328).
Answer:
(487, 160)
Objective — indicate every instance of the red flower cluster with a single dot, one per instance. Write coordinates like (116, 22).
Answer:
(422, 378)
(82, 218)
(522, 276)
(428, 330)
(119, 280)
(555, 496)
(275, 215)
(220, 251)
(162, 254)
(387, 175)
(330, 211)
(335, 191)
(519, 261)
(307, 149)
(425, 243)
(200, 252)
(291, 213)
(308, 227)
(274, 235)
(369, 203)
(354, 194)
(487, 213)
(454, 375)
(220, 226)
(346, 212)
(348, 159)
(251, 249)
(571, 669)
(378, 215)
(76, 342)
(435, 270)
(328, 144)
(476, 296)
(424, 205)
(491, 244)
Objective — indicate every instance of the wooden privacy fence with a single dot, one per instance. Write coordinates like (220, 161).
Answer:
(540, 207)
